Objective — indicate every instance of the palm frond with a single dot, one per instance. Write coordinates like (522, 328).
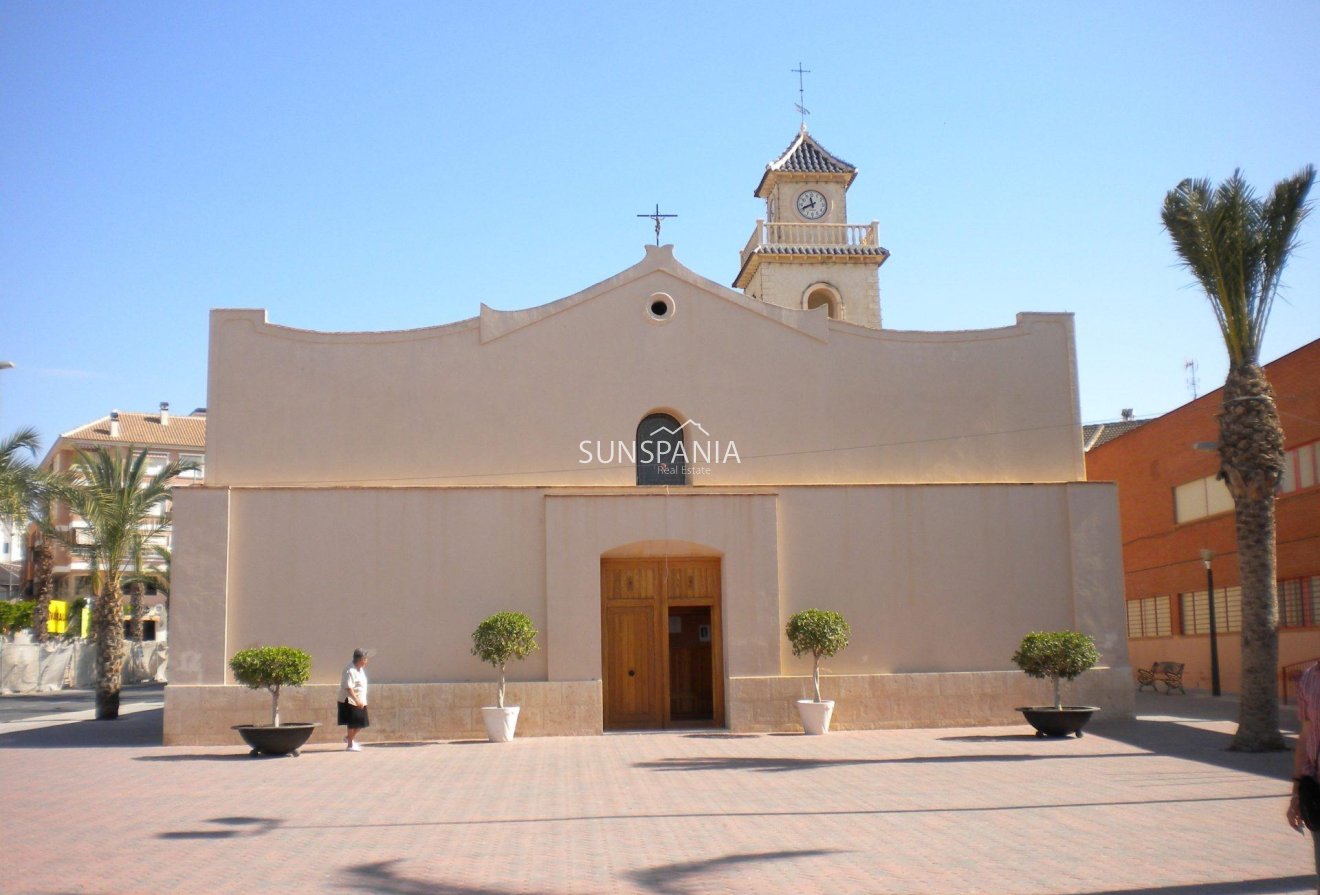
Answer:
(1236, 246)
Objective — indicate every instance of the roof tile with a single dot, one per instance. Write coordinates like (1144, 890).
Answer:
(145, 429)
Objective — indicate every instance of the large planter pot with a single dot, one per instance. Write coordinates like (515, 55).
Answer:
(815, 716)
(1052, 722)
(500, 722)
(287, 739)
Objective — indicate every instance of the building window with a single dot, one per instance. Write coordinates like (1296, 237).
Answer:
(1204, 497)
(197, 473)
(1149, 617)
(1301, 468)
(1299, 602)
(661, 457)
(1196, 611)
(155, 463)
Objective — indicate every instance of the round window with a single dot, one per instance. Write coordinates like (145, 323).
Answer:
(660, 307)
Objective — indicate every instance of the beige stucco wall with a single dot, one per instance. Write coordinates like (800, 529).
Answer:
(932, 579)
(507, 398)
(949, 578)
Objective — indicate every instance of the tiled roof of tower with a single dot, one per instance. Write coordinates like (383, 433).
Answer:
(805, 156)
(145, 430)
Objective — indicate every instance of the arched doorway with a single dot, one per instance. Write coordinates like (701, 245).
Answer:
(662, 655)
(826, 297)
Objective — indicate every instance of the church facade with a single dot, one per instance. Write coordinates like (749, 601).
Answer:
(659, 470)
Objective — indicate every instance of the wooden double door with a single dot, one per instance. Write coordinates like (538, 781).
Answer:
(661, 643)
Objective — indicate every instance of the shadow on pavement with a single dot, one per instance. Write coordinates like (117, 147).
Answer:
(203, 756)
(676, 879)
(1001, 738)
(145, 728)
(238, 827)
(385, 878)
(1278, 885)
(774, 765)
(1180, 738)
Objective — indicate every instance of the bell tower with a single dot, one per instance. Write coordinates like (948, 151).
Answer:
(805, 254)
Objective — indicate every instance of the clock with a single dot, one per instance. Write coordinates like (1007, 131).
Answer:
(812, 205)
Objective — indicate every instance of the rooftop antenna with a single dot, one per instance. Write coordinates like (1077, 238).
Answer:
(1189, 366)
(802, 98)
(656, 216)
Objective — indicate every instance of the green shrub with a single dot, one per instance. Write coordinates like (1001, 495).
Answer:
(502, 637)
(271, 667)
(1057, 655)
(16, 615)
(819, 632)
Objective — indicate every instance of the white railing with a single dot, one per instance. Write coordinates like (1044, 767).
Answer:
(795, 235)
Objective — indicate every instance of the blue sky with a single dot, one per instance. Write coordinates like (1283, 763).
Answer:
(388, 166)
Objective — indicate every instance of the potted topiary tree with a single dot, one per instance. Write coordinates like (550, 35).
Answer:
(1057, 655)
(821, 633)
(273, 667)
(503, 637)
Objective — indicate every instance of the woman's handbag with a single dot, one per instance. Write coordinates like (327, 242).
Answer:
(1308, 801)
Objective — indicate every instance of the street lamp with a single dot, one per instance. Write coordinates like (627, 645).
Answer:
(1206, 557)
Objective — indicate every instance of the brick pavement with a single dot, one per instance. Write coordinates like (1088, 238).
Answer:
(1152, 806)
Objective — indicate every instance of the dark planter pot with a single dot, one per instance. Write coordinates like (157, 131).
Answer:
(1052, 722)
(287, 739)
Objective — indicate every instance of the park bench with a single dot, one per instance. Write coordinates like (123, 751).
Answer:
(1167, 673)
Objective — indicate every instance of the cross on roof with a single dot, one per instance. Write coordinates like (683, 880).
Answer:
(801, 107)
(656, 216)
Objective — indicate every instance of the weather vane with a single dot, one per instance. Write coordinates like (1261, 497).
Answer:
(656, 216)
(801, 107)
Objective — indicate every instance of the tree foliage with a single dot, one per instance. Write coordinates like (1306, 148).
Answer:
(122, 507)
(271, 667)
(501, 638)
(822, 633)
(15, 615)
(1237, 246)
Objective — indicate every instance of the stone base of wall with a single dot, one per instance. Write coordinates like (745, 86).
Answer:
(202, 716)
(952, 699)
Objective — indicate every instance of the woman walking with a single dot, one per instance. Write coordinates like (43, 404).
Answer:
(353, 699)
(1304, 758)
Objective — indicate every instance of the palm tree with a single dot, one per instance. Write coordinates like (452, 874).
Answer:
(23, 492)
(1237, 245)
(143, 575)
(17, 475)
(41, 537)
(113, 494)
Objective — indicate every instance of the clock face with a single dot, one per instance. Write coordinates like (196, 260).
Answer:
(812, 205)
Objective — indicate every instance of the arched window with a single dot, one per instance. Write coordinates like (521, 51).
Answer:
(823, 295)
(660, 454)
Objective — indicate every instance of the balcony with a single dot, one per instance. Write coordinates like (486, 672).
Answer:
(861, 241)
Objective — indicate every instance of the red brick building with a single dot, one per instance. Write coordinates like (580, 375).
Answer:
(1172, 507)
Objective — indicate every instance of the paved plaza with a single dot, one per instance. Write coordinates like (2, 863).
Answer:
(1152, 806)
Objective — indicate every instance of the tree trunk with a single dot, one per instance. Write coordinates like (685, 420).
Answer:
(815, 668)
(1251, 464)
(42, 562)
(137, 610)
(108, 626)
(275, 706)
(499, 697)
(1058, 702)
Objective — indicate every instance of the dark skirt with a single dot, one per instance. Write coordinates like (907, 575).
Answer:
(352, 716)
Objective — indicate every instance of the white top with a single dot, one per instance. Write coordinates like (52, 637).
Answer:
(354, 681)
